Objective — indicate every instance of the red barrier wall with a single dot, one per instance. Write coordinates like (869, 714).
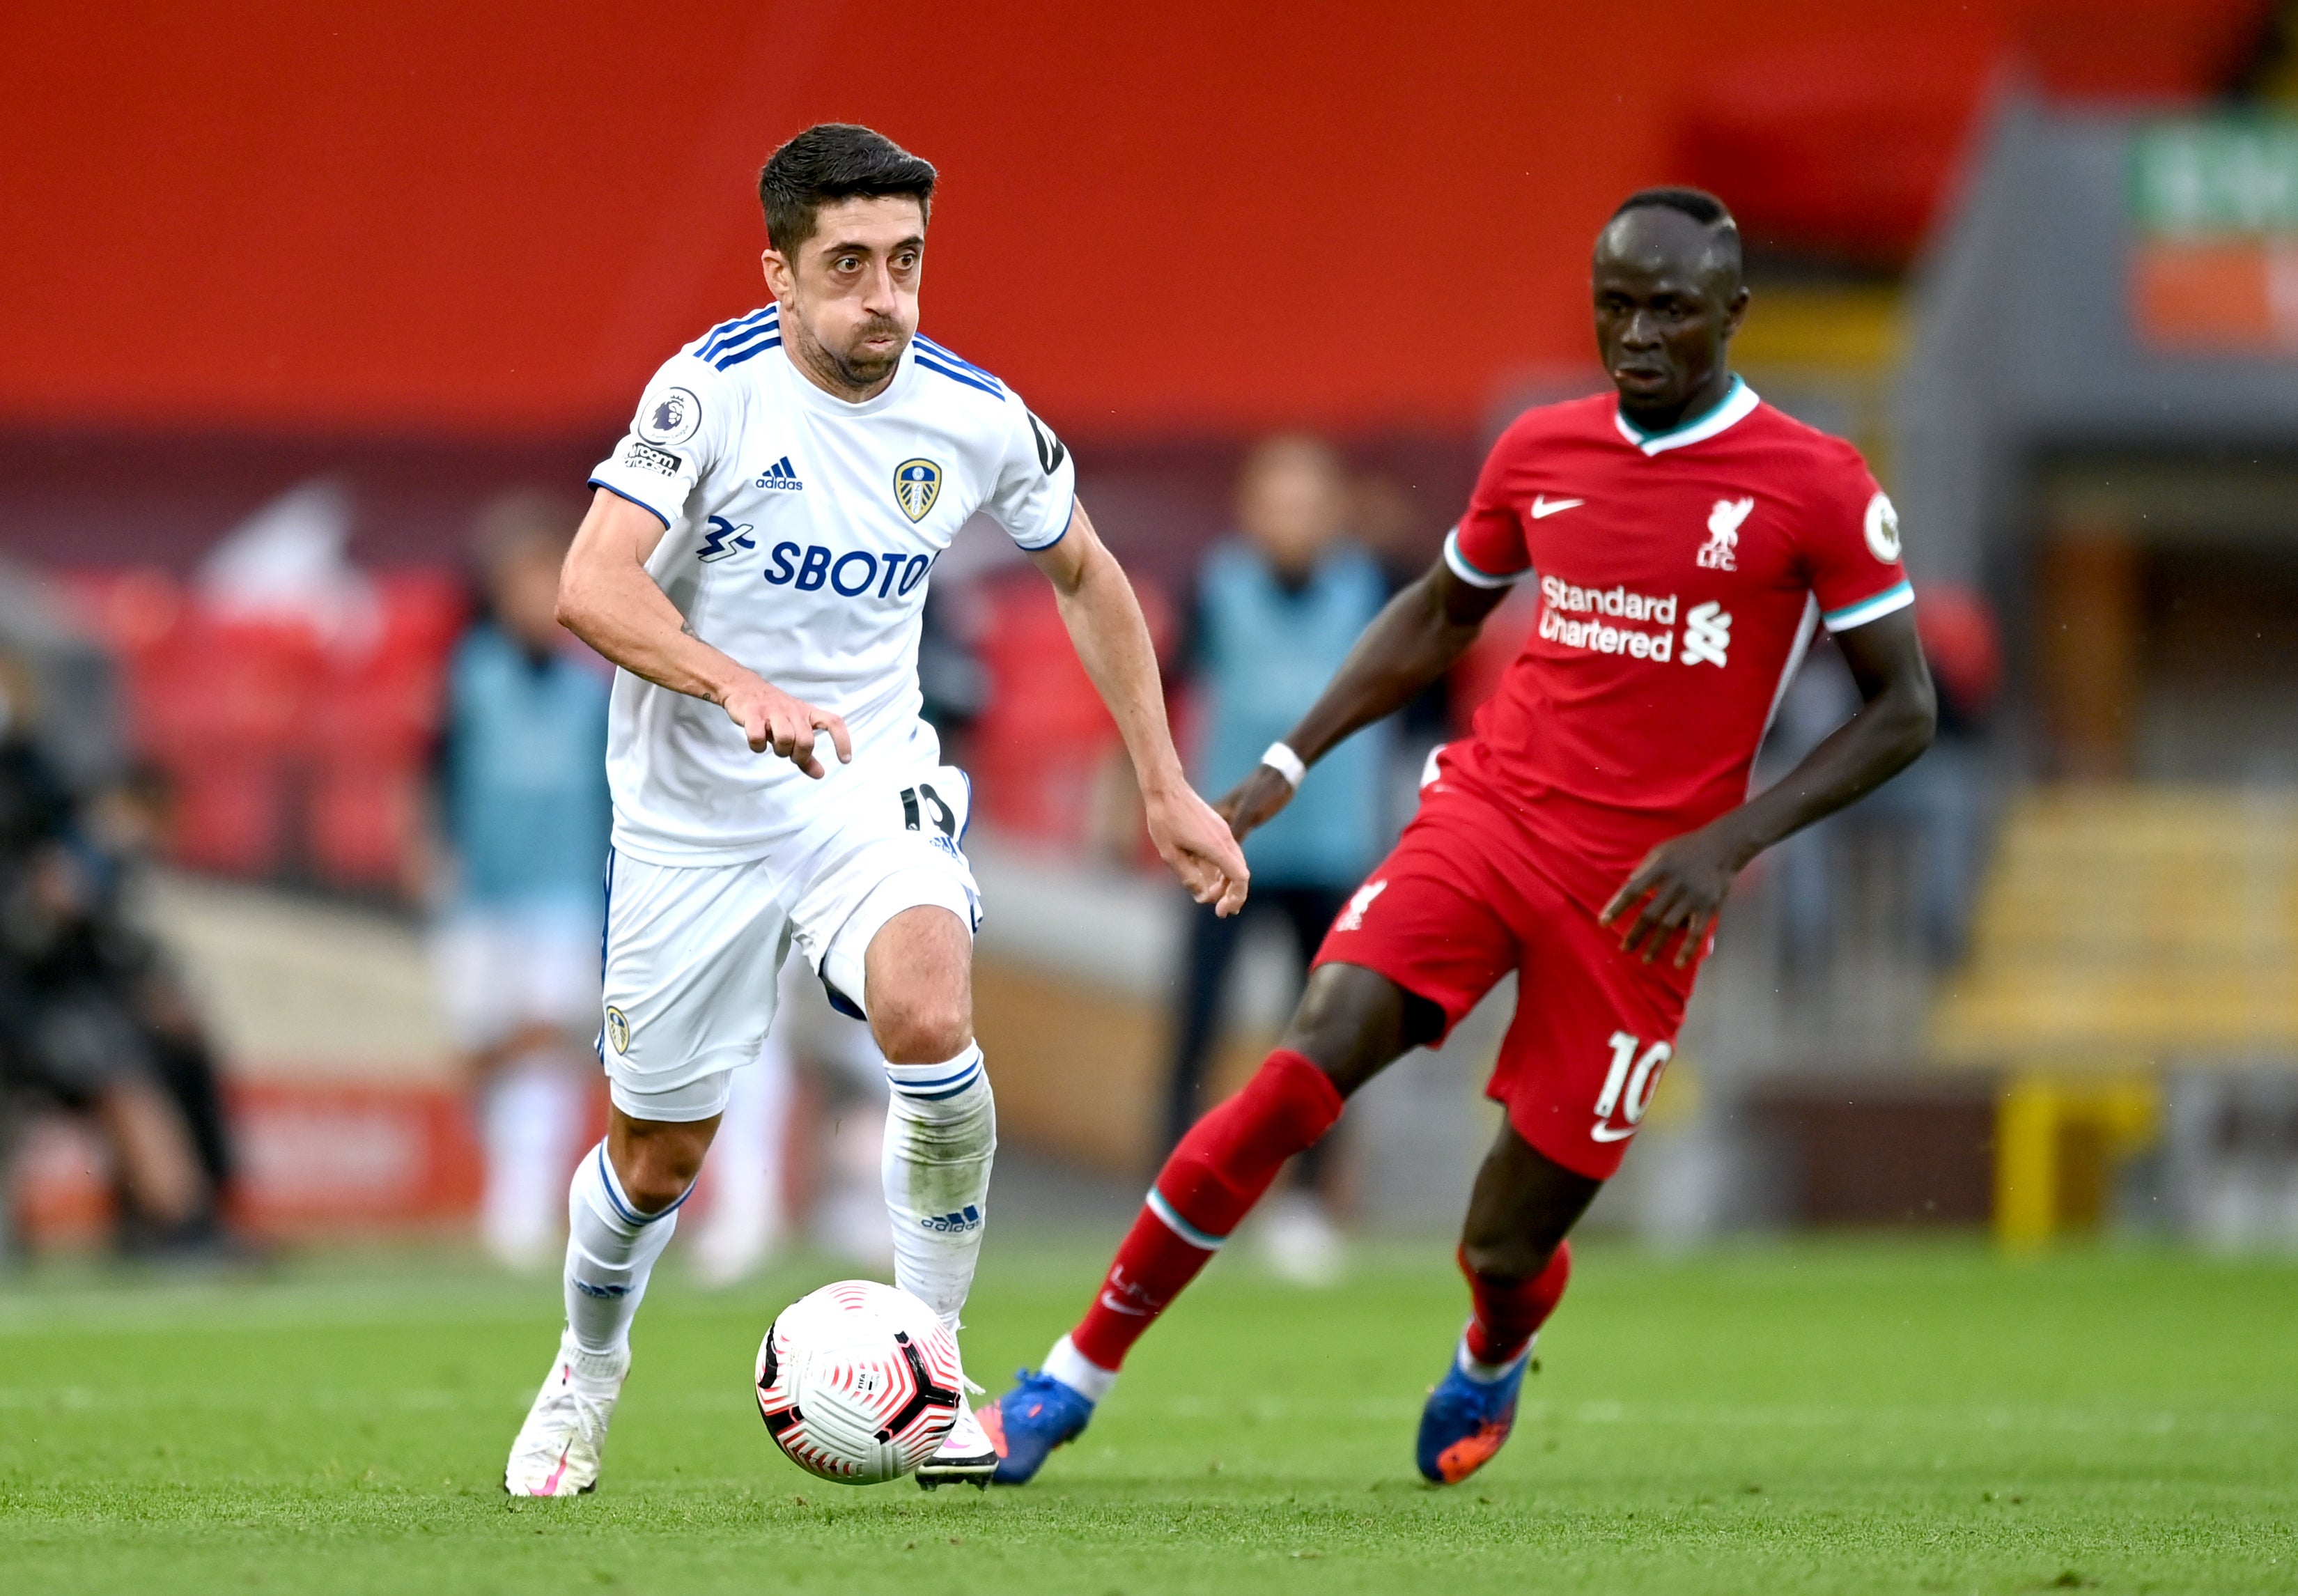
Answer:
(312, 215)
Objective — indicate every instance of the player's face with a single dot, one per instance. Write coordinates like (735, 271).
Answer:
(1665, 309)
(850, 294)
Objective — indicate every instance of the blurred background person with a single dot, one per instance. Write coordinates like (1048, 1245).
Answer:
(93, 1019)
(521, 847)
(1276, 607)
(524, 823)
(1382, 517)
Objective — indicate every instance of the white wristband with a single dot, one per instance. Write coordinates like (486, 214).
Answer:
(1285, 763)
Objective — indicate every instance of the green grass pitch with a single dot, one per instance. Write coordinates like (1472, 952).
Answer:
(1819, 1417)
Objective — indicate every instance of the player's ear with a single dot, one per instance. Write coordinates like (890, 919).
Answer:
(779, 278)
(1735, 311)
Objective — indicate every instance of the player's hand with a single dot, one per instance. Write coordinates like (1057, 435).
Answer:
(1196, 842)
(1680, 886)
(1254, 802)
(769, 718)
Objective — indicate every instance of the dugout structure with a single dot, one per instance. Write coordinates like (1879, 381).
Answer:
(2097, 423)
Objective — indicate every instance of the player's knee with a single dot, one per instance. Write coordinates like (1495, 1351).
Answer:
(657, 1168)
(1505, 1258)
(662, 1176)
(1353, 1022)
(922, 1028)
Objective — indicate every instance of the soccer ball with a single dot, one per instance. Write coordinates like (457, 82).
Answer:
(858, 1382)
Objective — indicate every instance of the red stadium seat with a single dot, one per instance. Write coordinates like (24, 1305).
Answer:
(283, 746)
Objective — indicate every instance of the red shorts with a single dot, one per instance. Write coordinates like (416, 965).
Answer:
(1470, 895)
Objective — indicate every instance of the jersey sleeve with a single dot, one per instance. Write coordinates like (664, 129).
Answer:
(674, 439)
(1487, 547)
(1036, 481)
(1851, 551)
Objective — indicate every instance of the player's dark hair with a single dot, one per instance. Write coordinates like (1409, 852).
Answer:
(1697, 203)
(831, 161)
(1701, 207)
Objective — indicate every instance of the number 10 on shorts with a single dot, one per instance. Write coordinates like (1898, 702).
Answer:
(1628, 1086)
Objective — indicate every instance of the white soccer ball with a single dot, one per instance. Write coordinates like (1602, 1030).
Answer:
(858, 1382)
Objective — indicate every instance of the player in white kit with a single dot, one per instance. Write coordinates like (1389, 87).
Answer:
(756, 562)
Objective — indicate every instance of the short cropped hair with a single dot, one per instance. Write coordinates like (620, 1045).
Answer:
(1697, 203)
(1701, 207)
(831, 161)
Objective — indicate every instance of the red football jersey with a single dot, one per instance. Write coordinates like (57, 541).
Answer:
(1680, 576)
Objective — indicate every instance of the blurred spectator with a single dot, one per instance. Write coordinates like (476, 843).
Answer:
(1276, 608)
(1381, 516)
(1942, 802)
(91, 1017)
(522, 820)
(523, 823)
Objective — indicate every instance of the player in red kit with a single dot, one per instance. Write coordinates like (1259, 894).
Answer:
(1687, 539)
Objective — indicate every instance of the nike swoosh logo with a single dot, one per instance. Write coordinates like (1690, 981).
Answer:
(550, 1485)
(1612, 1133)
(1542, 508)
(1114, 1306)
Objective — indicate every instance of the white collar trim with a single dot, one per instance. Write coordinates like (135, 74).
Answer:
(1739, 399)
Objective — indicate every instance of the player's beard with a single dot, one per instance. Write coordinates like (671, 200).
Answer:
(862, 368)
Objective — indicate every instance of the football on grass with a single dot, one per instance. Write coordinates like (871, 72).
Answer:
(858, 1382)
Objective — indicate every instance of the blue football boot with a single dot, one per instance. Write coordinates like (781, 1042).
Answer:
(1027, 1422)
(1466, 1421)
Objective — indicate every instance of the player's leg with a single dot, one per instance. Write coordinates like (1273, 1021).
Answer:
(941, 1123)
(1295, 1232)
(1416, 947)
(692, 956)
(622, 1210)
(1351, 1022)
(1593, 1030)
(1517, 1263)
(941, 1133)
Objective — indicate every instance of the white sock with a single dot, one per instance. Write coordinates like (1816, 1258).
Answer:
(745, 1217)
(610, 1250)
(529, 1118)
(1079, 1373)
(941, 1136)
(1487, 1374)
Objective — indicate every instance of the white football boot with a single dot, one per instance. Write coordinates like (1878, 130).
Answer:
(965, 1457)
(557, 1450)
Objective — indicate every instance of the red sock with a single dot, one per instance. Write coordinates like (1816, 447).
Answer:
(1508, 1312)
(1210, 1182)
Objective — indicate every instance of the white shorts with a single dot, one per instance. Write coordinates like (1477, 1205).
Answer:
(501, 970)
(693, 951)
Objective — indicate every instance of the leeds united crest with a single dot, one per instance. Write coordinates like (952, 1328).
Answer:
(917, 484)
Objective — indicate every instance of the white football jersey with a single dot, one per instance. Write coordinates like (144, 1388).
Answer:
(802, 530)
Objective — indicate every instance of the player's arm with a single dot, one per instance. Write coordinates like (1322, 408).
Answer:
(1684, 880)
(1417, 637)
(1111, 639)
(607, 599)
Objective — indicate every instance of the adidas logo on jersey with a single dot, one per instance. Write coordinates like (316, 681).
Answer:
(782, 473)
